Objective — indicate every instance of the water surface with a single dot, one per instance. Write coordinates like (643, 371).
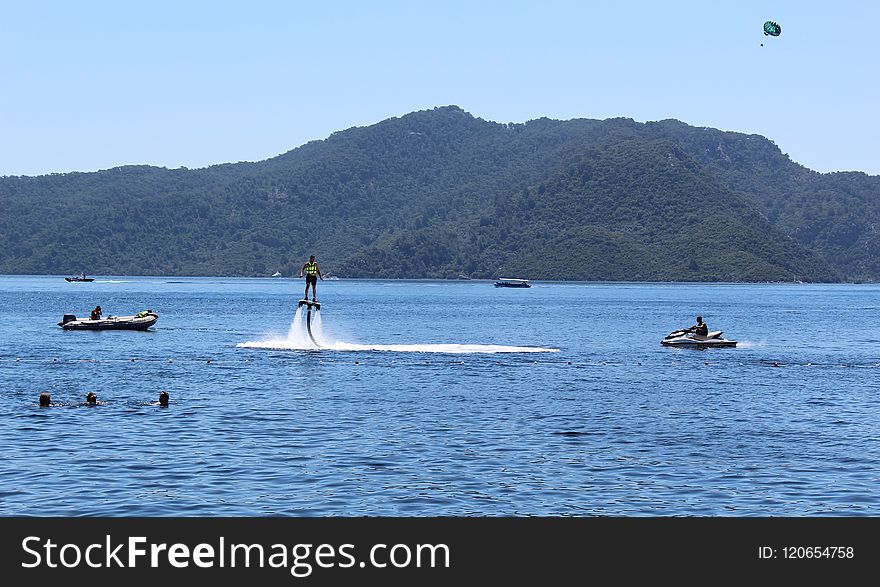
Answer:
(440, 398)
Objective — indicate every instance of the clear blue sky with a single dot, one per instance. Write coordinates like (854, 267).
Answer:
(92, 85)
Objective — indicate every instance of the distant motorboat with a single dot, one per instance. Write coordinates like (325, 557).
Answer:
(507, 282)
(276, 274)
(80, 277)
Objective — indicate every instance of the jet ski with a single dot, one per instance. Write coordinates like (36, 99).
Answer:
(683, 338)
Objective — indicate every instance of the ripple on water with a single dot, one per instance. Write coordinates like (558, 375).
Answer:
(450, 412)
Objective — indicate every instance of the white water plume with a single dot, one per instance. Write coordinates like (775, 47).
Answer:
(751, 344)
(318, 327)
(298, 339)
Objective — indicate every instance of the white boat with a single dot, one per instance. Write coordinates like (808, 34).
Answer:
(276, 274)
(683, 338)
(140, 321)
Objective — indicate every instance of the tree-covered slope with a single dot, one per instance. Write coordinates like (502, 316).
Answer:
(440, 193)
(644, 210)
(835, 214)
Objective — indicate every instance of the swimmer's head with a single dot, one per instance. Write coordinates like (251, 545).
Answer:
(45, 399)
(91, 398)
(163, 398)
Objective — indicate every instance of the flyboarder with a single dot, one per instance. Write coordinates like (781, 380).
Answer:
(312, 273)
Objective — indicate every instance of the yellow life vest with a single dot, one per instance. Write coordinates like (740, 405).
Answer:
(311, 268)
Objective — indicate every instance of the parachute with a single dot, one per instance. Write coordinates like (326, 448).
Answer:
(772, 29)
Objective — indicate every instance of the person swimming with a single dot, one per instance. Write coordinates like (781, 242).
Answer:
(45, 399)
(163, 399)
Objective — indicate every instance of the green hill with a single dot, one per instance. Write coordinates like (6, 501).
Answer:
(440, 193)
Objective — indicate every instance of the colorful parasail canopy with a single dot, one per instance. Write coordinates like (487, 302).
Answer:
(772, 29)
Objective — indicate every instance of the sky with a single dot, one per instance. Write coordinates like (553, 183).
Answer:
(92, 85)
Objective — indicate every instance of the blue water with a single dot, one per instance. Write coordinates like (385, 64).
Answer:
(611, 423)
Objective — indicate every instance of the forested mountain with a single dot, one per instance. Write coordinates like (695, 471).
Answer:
(440, 193)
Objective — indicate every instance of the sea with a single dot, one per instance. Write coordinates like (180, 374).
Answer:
(439, 398)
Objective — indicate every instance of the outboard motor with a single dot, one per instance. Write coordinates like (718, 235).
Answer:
(67, 318)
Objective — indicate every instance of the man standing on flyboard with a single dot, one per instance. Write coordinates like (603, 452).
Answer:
(312, 273)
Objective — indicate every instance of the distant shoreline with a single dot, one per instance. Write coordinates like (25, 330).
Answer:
(100, 278)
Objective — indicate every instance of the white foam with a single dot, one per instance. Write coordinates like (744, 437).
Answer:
(285, 345)
(298, 339)
(751, 344)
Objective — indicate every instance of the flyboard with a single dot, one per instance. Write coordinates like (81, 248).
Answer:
(309, 305)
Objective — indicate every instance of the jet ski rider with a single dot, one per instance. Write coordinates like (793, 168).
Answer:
(700, 328)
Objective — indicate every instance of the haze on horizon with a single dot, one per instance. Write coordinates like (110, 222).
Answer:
(98, 85)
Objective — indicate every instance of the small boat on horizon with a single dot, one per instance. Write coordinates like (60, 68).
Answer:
(508, 282)
(81, 277)
(276, 274)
